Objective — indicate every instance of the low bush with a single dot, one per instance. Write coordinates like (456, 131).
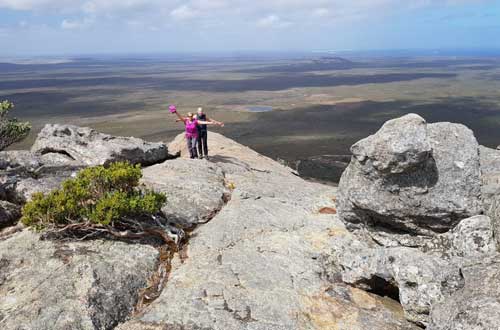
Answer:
(98, 200)
(11, 130)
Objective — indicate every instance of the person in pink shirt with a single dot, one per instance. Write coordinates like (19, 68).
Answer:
(191, 125)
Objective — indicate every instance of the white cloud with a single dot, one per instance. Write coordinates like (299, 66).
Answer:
(68, 24)
(266, 13)
(321, 12)
(183, 13)
(272, 21)
(36, 4)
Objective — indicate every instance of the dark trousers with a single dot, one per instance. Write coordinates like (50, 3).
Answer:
(191, 144)
(202, 143)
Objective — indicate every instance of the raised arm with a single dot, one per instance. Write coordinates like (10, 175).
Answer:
(183, 119)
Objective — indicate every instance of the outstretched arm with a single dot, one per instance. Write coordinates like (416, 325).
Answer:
(215, 122)
(203, 122)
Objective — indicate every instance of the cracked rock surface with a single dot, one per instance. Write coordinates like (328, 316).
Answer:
(477, 305)
(70, 285)
(195, 189)
(257, 264)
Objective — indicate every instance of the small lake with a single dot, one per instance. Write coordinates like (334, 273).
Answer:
(259, 108)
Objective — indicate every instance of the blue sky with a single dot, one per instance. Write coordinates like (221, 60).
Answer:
(38, 27)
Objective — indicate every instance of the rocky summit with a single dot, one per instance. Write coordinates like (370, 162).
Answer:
(407, 241)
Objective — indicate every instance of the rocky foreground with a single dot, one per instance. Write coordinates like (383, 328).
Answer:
(407, 241)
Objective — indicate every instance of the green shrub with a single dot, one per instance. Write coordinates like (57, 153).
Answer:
(11, 130)
(97, 197)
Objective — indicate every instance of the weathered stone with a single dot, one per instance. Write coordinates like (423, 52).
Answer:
(86, 285)
(23, 161)
(427, 194)
(255, 265)
(272, 258)
(9, 214)
(416, 279)
(494, 214)
(490, 175)
(399, 146)
(19, 158)
(89, 147)
(195, 189)
(7, 187)
(477, 305)
(25, 173)
(473, 237)
(26, 187)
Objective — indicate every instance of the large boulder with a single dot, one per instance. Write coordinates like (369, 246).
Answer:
(408, 181)
(400, 146)
(89, 147)
(474, 307)
(70, 285)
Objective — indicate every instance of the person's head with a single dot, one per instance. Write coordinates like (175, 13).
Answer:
(190, 115)
(200, 110)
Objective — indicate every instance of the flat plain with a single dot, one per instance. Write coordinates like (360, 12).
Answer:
(284, 106)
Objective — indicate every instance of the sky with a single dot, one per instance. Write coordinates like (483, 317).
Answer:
(43, 27)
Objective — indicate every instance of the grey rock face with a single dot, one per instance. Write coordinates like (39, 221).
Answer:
(7, 187)
(256, 265)
(26, 187)
(416, 279)
(195, 189)
(490, 175)
(477, 305)
(9, 214)
(87, 285)
(24, 173)
(19, 158)
(89, 147)
(494, 213)
(490, 167)
(399, 146)
(472, 237)
(27, 161)
(429, 191)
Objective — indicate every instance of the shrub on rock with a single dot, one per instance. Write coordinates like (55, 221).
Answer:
(98, 200)
(11, 130)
